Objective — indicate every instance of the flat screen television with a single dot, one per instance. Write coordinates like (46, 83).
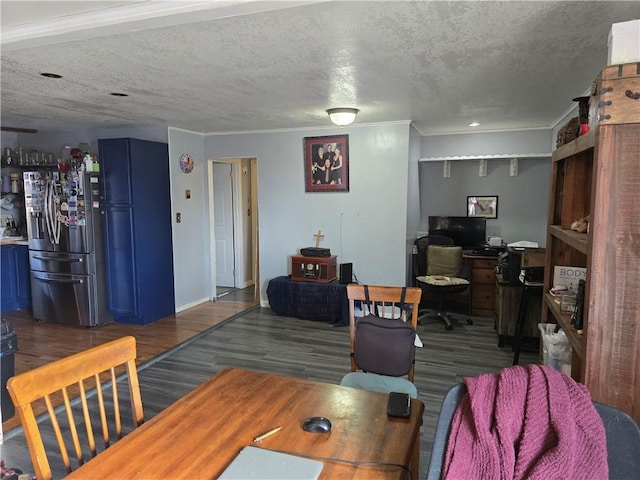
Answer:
(466, 232)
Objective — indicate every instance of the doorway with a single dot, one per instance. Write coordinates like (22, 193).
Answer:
(233, 215)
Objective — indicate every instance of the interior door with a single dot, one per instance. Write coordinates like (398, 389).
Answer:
(224, 228)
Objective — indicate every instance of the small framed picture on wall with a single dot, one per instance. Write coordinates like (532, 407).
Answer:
(486, 207)
(326, 163)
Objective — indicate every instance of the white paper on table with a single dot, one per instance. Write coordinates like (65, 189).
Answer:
(523, 244)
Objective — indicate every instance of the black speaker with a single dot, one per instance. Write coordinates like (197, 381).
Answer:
(346, 273)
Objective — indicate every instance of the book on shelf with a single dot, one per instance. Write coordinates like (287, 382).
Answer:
(569, 277)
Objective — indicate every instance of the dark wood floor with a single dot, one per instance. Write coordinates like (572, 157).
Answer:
(40, 343)
(260, 340)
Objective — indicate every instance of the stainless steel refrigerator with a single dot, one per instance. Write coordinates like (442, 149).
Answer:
(66, 247)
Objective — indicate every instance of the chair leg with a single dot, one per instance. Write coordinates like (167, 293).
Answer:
(422, 315)
(442, 314)
(445, 317)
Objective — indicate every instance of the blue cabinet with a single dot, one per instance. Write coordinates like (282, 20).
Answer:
(137, 228)
(16, 278)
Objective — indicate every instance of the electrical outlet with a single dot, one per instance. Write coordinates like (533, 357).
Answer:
(187, 194)
(178, 217)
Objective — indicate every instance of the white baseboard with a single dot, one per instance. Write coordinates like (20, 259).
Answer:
(191, 304)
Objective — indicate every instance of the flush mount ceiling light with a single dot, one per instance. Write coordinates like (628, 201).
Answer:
(474, 124)
(342, 116)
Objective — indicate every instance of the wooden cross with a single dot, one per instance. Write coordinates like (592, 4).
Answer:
(318, 236)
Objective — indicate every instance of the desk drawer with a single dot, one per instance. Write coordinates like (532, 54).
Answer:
(483, 276)
(489, 263)
(483, 312)
(483, 296)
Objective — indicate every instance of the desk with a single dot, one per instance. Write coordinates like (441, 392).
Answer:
(200, 434)
(508, 296)
(310, 301)
(528, 289)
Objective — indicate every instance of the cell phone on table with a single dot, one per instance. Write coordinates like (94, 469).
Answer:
(399, 404)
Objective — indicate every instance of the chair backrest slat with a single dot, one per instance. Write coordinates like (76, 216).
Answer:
(65, 378)
(89, 428)
(72, 427)
(116, 405)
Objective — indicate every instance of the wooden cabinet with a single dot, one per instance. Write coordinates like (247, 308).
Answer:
(483, 285)
(16, 278)
(137, 228)
(508, 297)
(598, 174)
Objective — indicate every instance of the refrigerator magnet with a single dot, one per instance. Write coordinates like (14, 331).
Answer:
(186, 163)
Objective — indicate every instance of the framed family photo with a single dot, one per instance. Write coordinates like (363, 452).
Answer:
(326, 163)
(486, 207)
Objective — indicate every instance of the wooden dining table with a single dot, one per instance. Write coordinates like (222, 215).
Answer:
(200, 434)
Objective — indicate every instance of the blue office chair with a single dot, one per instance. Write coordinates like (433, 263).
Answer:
(622, 432)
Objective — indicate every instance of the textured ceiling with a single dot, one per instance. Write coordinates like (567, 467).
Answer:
(244, 65)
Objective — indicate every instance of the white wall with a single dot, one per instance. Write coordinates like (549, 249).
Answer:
(365, 226)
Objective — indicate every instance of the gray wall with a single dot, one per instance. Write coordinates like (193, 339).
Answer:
(373, 226)
(54, 142)
(522, 200)
(365, 226)
(492, 143)
(413, 199)
(190, 239)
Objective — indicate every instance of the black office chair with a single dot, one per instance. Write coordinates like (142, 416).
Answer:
(622, 432)
(440, 277)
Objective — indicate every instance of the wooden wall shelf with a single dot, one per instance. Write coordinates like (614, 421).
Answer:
(576, 240)
(597, 175)
(564, 320)
(579, 145)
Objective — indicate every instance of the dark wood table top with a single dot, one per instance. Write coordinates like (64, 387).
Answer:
(201, 433)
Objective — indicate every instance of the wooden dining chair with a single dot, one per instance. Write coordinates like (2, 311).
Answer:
(79, 382)
(383, 301)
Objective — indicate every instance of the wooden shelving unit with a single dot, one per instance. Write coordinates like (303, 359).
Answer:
(598, 174)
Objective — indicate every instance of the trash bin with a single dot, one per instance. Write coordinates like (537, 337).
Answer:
(556, 348)
(8, 347)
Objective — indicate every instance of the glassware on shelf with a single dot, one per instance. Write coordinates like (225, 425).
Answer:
(22, 157)
(8, 157)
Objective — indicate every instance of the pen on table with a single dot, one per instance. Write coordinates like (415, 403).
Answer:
(266, 434)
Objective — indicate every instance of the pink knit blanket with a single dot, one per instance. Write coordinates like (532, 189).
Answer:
(526, 423)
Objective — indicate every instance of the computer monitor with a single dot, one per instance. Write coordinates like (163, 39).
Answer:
(466, 232)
